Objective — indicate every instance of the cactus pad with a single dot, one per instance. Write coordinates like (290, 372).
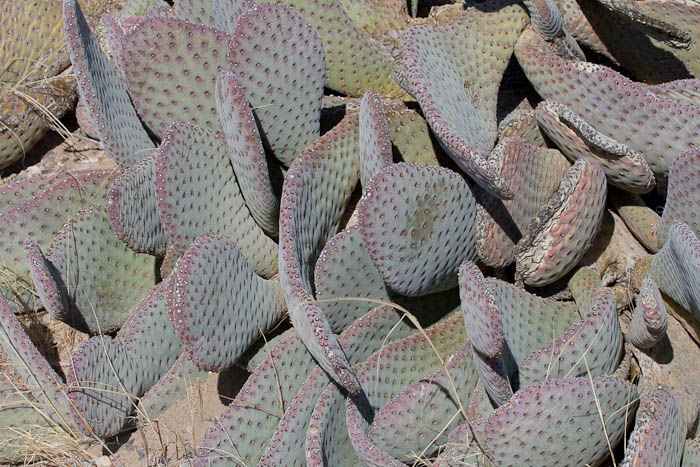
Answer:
(247, 153)
(683, 198)
(375, 145)
(278, 58)
(535, 174)
(659, 431)
(316, 189)
(639, 218)
(39, 217)
(624, 167)
(417, 224)
(177, 83)
(580, 404)
(454, 74)
(100, 277)
(564, 228)
(657, 128)
(344, 269)
(133, 212)
(198, 193)
(105, 95)
(676, 268)
(214, 320)
(650, 318)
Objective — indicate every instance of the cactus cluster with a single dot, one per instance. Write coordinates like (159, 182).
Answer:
(445, 217)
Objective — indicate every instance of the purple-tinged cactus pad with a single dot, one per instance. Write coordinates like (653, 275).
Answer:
(523, 125)
(148, 335)
(133, 209)
(365, 336)
(261, 403)
(278, 58)
(198, 193)
(103, 382)
(316, 190)
(676, 268)
(354, 62)
(375, 145)
(624, 167)
(410, 135)
(100, 276)
(529, 429)
(483, 325)
(171, 388)
(684, 90)
(246, 151)
(344, 269)
(105, 95)
(454, 71)
(691, 453)
(683, 198)
(195, 11)
(656, 127)
(418, 420)
(227, 12)
(534, 173)
(218, 305)
(391, 369)
(41, 382)
(558, 237)
(16, 192)
(171, 67)
(590, 347)
(659, 432)
(47, 282)
(417, 223)
(39, 217)
(649, 318)
(639, 218)
(548, 22)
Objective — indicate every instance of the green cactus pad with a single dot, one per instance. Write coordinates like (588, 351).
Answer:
(676, 268)
(591, 347)
(375, 145)
(659, 432)
(175, 83)
(133, 210)
(354, 62)
(417, 225)
(99, 275)
(624, 167)
(410, 135)
(691, 452)
(316, 190)
(227, 12)
(454, 72)
(535, 174)
(171, 388)
(683, 198)
(195, 11)
(103, 380)
(105, 95)
(261, 402)
(535, 417)
(39, 217)
(649, 318)
(278, 58)
(197, 193)
(417, 421)
(391, 369)
(522, 125)
(246, 152)
(365, 336)
(345, 270)
(215, 320)
(639, 218)
(657, 128)
(584, 286)
(41, 383)
(562, 231)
